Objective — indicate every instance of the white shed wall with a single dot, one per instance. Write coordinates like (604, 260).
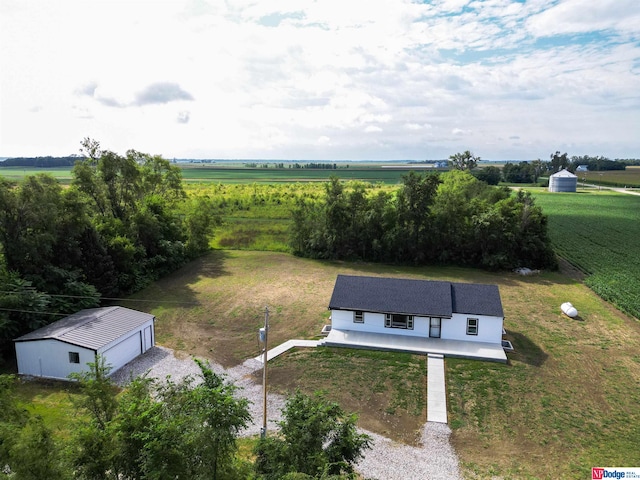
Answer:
(123, 350)
(50, 358)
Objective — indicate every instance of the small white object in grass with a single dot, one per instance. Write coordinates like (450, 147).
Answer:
(569, 310)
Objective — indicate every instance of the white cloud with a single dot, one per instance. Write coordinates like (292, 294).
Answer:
(292, 78)
(578, 16)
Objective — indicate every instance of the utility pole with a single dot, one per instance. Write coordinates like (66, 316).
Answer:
(264, 333)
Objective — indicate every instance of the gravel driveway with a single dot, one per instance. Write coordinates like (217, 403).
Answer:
(386, 460)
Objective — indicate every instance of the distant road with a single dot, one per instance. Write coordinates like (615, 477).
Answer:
(615, 189)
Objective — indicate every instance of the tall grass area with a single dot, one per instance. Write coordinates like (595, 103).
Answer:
(257, 216)
(599, 233)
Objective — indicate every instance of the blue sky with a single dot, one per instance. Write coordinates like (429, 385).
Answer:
(329, 79)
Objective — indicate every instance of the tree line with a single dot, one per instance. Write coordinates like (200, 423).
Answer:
(124, 221)
(40, 162)
(185, 429)
(530, 172)
(450, 218)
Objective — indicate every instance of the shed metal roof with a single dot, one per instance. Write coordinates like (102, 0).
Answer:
(414, 297)
(92, 328)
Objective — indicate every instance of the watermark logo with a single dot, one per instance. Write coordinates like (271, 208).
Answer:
(599, 473)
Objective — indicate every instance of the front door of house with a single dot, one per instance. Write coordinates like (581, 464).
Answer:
(434, 327)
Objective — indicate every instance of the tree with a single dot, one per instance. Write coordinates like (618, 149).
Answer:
(491, 175)
(522, 172)
(414, 239)
(12, 417)
(44, 233)
(539, 167)
(36, 454)
(183, 429)
(464, 161)
(27, 446)
(448, 218)
(24, 309)
(94, 447)
(558, 161)
(200, 220)
(316, 438)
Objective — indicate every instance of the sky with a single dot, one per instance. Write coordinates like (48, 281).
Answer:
(321, 79)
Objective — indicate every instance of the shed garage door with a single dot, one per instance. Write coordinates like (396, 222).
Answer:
(125, 351)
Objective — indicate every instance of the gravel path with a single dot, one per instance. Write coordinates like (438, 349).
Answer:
(386, 460)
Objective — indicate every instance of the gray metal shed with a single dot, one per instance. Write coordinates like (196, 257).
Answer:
(118, 334)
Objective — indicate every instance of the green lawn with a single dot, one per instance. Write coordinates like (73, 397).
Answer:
(566, 401)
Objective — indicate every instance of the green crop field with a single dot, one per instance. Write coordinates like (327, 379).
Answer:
(373, 174)
(63, 174)
(599, 233)
(195, 174)
(614, 178)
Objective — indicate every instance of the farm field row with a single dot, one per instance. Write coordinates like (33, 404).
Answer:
(599, 233)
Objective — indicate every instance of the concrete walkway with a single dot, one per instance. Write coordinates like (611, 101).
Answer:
(283, 347)
(436, 391)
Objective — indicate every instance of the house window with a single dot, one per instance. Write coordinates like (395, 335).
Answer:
(358, 316)
(74, 357)
(472, 326)
(392, 320)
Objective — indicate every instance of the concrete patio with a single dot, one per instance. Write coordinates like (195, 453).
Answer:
(403, 343)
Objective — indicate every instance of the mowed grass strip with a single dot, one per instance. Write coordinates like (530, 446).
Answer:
(566, 401)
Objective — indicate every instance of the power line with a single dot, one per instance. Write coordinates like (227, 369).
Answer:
(119, 299)
(33, 311)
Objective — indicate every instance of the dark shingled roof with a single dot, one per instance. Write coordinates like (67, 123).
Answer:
(414, 297)
(91, 328)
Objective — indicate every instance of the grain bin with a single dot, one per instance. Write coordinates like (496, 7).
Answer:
(563, 181)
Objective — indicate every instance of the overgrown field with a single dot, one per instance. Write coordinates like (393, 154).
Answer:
(258, 216)
(599, 232)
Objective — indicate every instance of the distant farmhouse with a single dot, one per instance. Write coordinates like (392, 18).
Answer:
(419, 316)
(117, 334)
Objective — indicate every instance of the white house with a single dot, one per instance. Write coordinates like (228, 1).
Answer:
(118, 334)
(456, 319)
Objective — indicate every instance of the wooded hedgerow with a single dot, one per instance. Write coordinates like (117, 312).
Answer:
(452, 218)
(124, 222)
